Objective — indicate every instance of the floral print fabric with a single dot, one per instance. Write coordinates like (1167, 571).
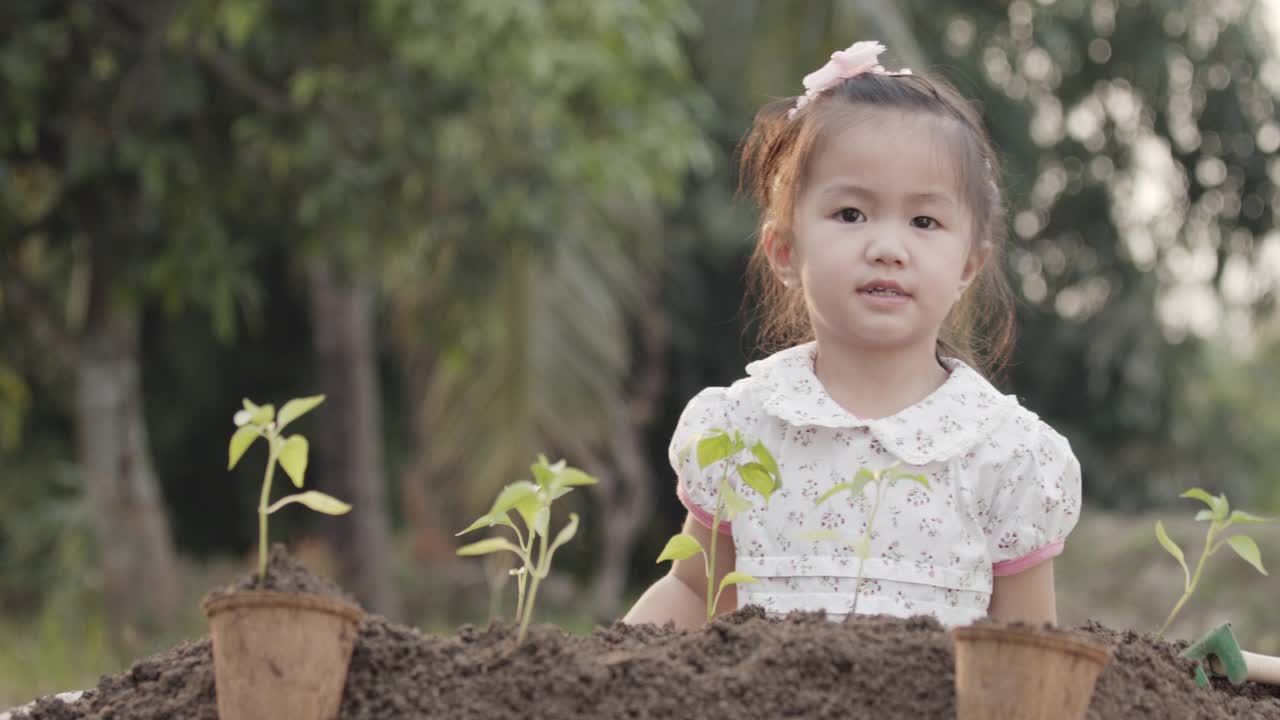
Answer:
(1005, 492)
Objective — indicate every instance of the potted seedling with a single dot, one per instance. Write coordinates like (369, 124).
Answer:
(531, 502)
(279, 654)
(1219, 647)
(760, 475)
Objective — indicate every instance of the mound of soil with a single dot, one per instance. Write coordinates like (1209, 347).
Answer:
(284, 574)
(743, 665)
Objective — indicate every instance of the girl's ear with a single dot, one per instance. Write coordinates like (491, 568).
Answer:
(973, 265)
(778, 248)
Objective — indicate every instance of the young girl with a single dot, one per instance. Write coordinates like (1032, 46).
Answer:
(882, 223)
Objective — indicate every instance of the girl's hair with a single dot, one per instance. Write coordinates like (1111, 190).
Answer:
(775, 160)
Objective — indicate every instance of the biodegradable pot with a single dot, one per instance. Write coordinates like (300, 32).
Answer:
(279, 654)
(1024, 673)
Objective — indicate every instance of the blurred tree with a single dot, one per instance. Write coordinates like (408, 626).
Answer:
(114, 180)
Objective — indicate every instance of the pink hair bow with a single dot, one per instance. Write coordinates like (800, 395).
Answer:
(858, 58)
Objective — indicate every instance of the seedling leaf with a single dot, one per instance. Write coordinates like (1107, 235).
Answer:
(317, 501)
(733, 502)
(485, 521)
(295, 409)
(263, 414)
(860, 480)
(714, 448)
(1204, 515)
(833, 491)
(543, 472)
(680, 547)
(571, 478)
(541, 521)
(1202, 496)
(757, 477)
(897, 473)
(1247, 549)
(240, 442)
(734, 578)
(566, 533)
(921, 479)
(1240, 516)
(1168, 544)
(765, 458)
(293, 458)
(489, 546)
(521, 496)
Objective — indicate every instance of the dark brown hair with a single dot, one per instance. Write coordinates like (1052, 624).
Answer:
(774, 164)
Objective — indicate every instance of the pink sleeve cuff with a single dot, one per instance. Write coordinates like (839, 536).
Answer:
(698, 513)
(1026, 562)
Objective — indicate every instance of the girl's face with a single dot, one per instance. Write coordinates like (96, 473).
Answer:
(880, 242)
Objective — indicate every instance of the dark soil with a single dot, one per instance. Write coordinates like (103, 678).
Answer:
(284, 574)
(743, 665)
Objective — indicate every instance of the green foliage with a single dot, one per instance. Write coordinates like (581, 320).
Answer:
(1220, 516)
(531, 502)
(117, 180)
(290, 453)
(721, 446)
(15, 399)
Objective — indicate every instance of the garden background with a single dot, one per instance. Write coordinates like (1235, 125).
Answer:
(487, 229)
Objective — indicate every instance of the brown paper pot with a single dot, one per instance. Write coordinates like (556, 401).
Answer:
(280, 655)
(1024, 673)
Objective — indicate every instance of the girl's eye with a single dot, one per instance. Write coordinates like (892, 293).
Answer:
(850, 215)
(924, 222)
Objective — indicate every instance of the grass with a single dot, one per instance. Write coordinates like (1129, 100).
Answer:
(57, 652)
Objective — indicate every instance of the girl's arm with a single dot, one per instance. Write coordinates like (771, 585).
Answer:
(681, 595)
(1025, 597)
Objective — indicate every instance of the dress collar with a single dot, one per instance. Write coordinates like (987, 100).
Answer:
(954, 417)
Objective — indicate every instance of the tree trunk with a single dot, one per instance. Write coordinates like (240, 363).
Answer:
(625, 492)
(625, 496)
(130, 525)
(424, 508)
(350, 452)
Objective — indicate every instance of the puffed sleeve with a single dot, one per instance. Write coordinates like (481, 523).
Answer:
(711, 409)
(1033, 498)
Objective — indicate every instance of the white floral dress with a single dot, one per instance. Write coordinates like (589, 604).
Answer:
(1005, 492)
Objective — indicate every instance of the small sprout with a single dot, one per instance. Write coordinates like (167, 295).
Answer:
(290, 453)
(1220, 517)
(531, 501)
(761, 475)
(883, 479)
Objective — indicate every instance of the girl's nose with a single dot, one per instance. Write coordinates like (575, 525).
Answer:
(887, 247)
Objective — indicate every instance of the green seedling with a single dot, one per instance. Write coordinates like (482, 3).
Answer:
(1220, 517)
(531, 501)
(883, 479)
(760, 475)
(290, 453)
